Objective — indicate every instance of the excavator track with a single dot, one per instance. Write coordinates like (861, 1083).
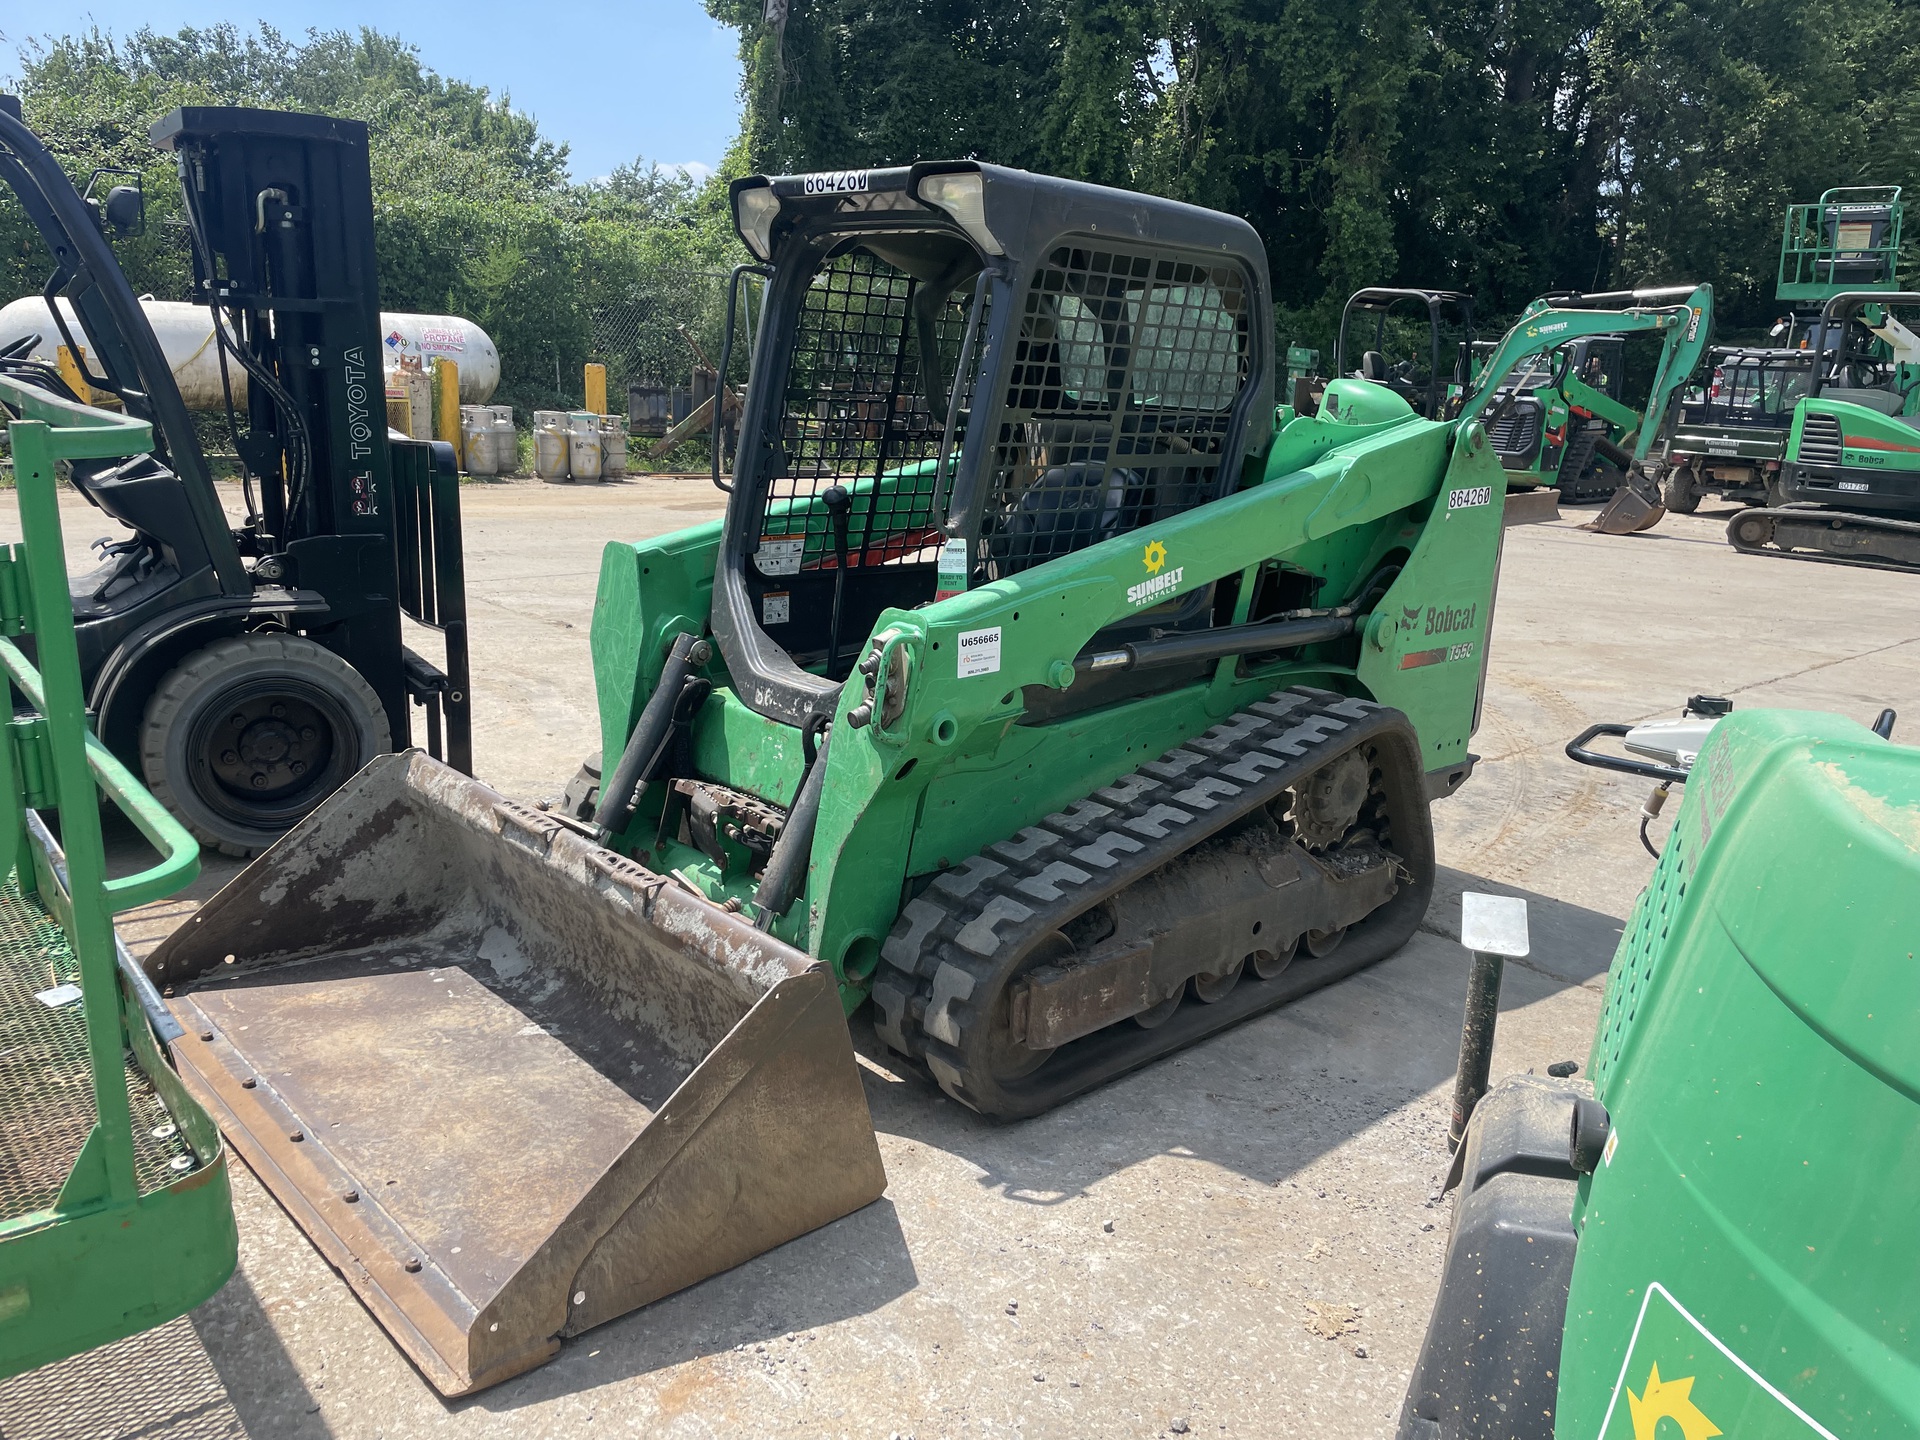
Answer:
(1287, 846)
(1831, 537)
(1573, 484)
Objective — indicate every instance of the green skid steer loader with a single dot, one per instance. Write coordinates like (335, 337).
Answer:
(1043, 682)
(1130, 707)
(1713, 1231)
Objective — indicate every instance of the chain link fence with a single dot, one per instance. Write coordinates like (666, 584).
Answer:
(661, 343)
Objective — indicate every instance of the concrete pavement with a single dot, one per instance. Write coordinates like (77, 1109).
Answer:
(1244, 1240)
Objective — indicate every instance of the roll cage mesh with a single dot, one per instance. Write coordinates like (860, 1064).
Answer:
(860, 410)
(1127, 371)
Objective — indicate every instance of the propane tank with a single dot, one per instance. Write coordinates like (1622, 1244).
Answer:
(550, 444)
(583, 444)
(506, 439)
(185, 333)
(613, 447)
(477, 439)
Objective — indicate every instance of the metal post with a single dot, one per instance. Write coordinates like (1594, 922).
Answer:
(446, 407)
(594, 385)
(1494, 928)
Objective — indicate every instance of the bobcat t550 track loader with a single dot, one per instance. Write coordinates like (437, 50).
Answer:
(1042, 682)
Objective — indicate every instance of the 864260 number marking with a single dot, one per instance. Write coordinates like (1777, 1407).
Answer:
(1467, 499)
(837, 182)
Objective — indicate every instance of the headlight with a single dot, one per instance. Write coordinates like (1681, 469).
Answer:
(755, 208)
(963, 195)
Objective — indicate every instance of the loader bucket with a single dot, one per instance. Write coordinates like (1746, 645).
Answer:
(1627, 512)
(511, 1084)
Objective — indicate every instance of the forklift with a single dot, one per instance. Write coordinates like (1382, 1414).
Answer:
(247, 667)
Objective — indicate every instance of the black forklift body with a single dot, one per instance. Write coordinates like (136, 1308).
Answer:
(1013, 367)
(192, 563)
(350, 528)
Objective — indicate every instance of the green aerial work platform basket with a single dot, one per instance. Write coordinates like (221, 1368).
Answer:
(1848, 239)
(115, 1211)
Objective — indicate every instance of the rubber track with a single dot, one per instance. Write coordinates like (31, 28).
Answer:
(1849, 518)
(937, 976)
(1574, 460)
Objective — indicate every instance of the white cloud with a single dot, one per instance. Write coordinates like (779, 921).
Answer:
(697, 171)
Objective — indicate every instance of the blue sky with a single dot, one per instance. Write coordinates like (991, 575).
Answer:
(614, 81)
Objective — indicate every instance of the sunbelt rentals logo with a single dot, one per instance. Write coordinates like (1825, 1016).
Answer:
(1680, 1381)
(1164, 581)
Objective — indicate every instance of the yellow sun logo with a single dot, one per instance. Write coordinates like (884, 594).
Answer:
(1668, 1400)
(1156, 556)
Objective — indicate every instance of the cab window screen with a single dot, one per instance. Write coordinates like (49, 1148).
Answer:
(861, 411)
(1127, 369)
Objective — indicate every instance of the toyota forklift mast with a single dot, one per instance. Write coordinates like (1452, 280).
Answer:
(281, 210)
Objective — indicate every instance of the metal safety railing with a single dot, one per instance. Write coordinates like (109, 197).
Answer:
(1848, 239)
(115, 1213)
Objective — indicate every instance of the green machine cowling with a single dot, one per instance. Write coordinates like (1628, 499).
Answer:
(1724, 1222)
(1033, 681)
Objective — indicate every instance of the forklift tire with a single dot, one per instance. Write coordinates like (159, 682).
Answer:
(1677, 490)
(245, 737)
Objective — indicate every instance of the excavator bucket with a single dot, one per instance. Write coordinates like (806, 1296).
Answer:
(1626, 513)
(511, 1084)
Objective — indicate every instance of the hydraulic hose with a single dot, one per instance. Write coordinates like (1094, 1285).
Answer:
(621, 791)
(786, 868)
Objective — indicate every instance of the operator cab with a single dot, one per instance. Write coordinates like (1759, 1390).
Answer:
(1521, 420)
(1385, 338)
(963, 372)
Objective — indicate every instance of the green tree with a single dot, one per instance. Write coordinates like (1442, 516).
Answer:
(474, 211)
(1500, 147)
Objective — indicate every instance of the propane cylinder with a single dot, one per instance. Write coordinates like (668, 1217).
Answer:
(613, 447)
(550, 445)
(185, 333)
(506, 439)
(583, 444)
(477, 440)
